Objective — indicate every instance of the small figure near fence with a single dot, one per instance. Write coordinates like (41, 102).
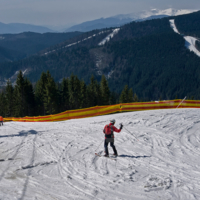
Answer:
(1, 121)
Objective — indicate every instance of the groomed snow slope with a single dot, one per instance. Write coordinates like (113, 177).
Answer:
(111, 35)
(189, 41)
(57, 161)
(190, 44)
(173, 26)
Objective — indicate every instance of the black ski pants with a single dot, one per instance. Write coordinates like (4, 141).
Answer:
(111, 141)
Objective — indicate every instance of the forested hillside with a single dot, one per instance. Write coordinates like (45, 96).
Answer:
(156, 67)
(147, 56)
(189, 24)
(61, 63)
(7, 55)
(49, 97)
(18, 46)
(136, 30)
(197, 44)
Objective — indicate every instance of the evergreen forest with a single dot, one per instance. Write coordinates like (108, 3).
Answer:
(48, 97)
(189, 24)
(15, 47)
(147, 56)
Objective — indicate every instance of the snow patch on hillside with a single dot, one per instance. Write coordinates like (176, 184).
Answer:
(111, 35)
(189, 41)
(13, 78)
(190, 44)
(75, 43)
(173, 26)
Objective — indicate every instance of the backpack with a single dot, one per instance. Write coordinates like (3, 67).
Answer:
(108, 130)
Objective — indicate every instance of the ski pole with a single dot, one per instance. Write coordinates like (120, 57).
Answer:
(181, 102)
(132, 134)
(99, 145)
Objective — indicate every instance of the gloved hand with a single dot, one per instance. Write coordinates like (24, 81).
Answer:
(121, 126)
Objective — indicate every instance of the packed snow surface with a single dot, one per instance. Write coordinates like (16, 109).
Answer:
(158, 158)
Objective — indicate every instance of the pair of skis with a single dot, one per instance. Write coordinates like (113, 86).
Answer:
(112, 158)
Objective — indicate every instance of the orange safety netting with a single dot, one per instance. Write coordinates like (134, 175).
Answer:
(103, 110)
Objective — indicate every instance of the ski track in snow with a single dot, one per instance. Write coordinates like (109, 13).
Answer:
(173, 26)
(189, 41)
(190, 44)
(111, 35)
(57, 161)
(75, 43)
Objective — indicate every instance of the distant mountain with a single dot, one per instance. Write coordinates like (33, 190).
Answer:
(147, 56)
(155, 12)
(99, 24)
(120, 20)
(15, 28)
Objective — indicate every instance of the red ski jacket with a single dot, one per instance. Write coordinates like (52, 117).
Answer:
(1, 119)
(113, 129)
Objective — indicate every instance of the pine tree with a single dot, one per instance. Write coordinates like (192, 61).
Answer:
(65, 94)
(71, 92)
(74, 92)
(2, 103)
(98, 93)
(94, 92)
(77, 85)
(91, 92)
(19, 97)
(9, 100)
(29, 98)
(40, 94)
(105, 91)
(112, 98)
(124, 97)
(83, 95)
(50, 97)
(130, 95)
(135, 98)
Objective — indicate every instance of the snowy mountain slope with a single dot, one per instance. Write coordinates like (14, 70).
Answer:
(173, 26)
(115, 31)
(57, 161)
(156, 12)
(190, 44)
(189, 41)
(119, 20)
(111, 35)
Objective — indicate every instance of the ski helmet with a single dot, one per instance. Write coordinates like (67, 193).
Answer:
(112, 121)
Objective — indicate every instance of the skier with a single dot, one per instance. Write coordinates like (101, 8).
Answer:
(1, 120)
(109, 136)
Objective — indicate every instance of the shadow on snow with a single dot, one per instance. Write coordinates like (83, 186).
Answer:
(128, 156)
(21, 133)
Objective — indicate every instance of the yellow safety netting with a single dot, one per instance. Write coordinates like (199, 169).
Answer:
(103, 110)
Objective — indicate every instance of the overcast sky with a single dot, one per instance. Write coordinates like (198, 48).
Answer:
(68, 12)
